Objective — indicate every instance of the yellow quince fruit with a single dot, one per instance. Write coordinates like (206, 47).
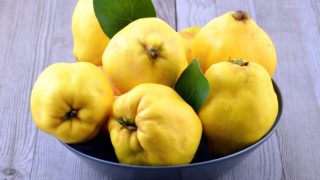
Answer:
(71, 101)
(234, 35)
(89, 39)
(153, 125)
(148, 50)
(241, 107)
(188, 35)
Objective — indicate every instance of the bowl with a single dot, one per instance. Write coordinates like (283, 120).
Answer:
(99, 153)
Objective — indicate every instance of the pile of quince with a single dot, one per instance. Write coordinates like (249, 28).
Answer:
(125, 85)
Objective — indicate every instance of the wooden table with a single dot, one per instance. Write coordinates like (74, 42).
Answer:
(37, 33)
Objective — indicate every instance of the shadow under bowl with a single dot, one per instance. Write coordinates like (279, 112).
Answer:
(99, 153)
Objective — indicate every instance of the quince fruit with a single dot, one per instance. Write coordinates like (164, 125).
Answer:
(241, 107)
(153, 125)
(71, 101)
(147, 50)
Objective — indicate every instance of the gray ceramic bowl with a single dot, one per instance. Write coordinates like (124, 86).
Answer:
(99, 153)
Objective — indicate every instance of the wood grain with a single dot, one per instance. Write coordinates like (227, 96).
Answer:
(17, 69)
(166, 10)
(293, 28)
(309, 21)
(265, 162)
(194, 13)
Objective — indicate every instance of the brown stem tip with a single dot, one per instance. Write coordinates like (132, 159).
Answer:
(239, 62)
(126, 124)
(69, 115)
(240, 16)
(153, 52)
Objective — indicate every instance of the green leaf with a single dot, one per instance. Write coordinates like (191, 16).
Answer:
(193, 86)
(113, 15)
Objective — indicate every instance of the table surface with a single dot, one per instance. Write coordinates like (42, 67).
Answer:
(37, 33)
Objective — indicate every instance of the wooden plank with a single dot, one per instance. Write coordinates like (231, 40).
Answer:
(265, 162)
(17, 62)
(194, 13)
(293, 25)
(166, 10)
(52, 160)
(309, 21)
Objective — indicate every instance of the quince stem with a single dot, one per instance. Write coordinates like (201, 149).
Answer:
(239, 62)
(125, 123)
(153, 52)
(240, 16)
(70, 115)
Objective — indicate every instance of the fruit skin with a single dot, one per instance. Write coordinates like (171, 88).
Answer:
(114, 89)
(89, 39)
(167, 132)
(226, 38)
(241, 107)
(146, 51)
(188, 35)
(63, 87)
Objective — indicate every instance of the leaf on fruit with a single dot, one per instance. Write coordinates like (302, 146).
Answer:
(193, 86)
(113, 15)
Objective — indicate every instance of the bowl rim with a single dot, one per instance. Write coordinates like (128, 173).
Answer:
(197, 164)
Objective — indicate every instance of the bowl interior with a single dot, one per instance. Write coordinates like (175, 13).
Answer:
(100, 148)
